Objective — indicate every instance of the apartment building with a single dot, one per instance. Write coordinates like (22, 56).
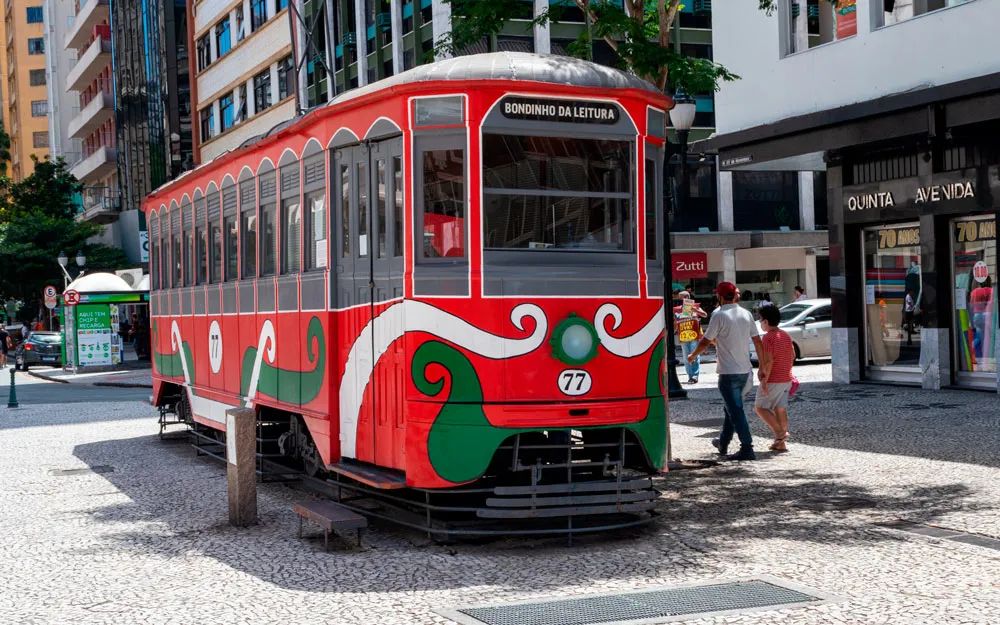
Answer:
(25, 99)
(153, 106)
(905, 137)
(90, 80)
(244, 82)
(63, 106)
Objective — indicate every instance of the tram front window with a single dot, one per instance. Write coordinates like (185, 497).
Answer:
(557, 193)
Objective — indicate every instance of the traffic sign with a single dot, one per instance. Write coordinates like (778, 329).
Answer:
(51, 296)
(50, 291)
(72, 298)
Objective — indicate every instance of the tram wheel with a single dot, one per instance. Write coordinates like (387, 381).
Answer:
(183, 409)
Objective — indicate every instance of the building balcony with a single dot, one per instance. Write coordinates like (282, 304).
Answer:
(92, 13)
(99, 205)
(90, 118)
(92, 62)
(98, 165)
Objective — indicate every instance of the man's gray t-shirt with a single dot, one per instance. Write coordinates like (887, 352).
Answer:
(732, 329)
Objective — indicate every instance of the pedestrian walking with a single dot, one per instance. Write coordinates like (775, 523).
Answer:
(800, 293)
(687, 328)
(775, 375)
(731, 328)
(5, 345)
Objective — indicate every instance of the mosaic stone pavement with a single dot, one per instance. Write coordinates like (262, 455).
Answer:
(140, 534)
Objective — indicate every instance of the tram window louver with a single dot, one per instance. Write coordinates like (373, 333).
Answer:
(187, 262)
(176, 277)
(230, 234)
(314, 168)
(214, 239)
(397, 213)
(291, 218)
(266, 229)
(248, 228)
(201, 242)
(345, 211)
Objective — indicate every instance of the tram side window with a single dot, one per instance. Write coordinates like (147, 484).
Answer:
(188, 233)
(229, 261)
(362, 209)
(214, 240)
(345, 211)
(315, 212)
(443, 221)
(177, 278)
(291, 218)
(397, 213)
(380, 206)
(248, 228)
(266, 232)
(201, 241)
(653, 201)
(154, 244)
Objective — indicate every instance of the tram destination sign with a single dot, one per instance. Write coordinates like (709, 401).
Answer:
(567, 111)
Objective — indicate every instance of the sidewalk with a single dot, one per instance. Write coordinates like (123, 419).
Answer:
(130, 378)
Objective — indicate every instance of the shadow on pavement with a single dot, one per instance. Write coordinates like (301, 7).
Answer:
(176, 508)
(948, 425)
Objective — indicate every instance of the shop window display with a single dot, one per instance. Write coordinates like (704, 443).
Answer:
(893, 293)
(975, 299)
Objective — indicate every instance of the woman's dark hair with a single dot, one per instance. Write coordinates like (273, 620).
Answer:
(770, 314)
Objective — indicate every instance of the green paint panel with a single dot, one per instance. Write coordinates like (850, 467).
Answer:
(269, 382)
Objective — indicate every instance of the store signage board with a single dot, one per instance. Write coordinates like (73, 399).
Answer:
(564, 111)
(689, 265)
(912, 197)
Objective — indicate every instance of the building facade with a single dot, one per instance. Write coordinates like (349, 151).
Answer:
(244, 83)
(908, 146)
(152, 104)
(63, 106)
(25, 98)
(90, 81)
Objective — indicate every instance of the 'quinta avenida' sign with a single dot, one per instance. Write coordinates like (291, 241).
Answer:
(568, 111)
(925, 195)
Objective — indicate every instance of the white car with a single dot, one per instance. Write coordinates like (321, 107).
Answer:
(809, 323)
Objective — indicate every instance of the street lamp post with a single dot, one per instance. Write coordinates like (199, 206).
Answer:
(81, 260)
(681, 118)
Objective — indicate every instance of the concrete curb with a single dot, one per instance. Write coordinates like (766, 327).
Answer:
(49, 378)
(42, 376)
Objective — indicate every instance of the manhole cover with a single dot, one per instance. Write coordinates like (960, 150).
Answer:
(834, 502)
(97, 468)
(663, 604)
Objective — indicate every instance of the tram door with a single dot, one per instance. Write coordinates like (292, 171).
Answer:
(369, 278)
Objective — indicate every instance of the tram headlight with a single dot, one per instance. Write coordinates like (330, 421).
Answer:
(574, 341)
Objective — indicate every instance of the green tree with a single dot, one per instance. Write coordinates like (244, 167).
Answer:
(639, 32)
(37, 221)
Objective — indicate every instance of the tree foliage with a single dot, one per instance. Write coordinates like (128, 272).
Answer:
(37, 222)
(639, 32)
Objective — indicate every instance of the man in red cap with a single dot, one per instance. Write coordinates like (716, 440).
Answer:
(730, 328)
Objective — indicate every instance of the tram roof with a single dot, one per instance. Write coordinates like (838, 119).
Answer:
(551, 68)
(523, 66)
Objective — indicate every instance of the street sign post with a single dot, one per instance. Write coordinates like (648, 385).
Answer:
(51, 297)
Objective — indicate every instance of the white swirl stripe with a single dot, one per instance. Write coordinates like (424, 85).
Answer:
(628, 346)
(265, 342)
(415, 316)
(201, 406)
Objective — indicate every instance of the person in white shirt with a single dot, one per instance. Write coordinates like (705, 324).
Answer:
(731, 327)
(800, 293)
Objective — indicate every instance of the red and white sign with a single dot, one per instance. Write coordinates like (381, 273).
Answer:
(689, 265)
(980, 271)
(50, 294)
(72, 298)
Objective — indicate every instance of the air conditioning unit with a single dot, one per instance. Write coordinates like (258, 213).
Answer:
(130, 276)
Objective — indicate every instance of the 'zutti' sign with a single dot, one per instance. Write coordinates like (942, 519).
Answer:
(570, 111)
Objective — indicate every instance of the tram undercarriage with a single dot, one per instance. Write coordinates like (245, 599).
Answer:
(555, 482)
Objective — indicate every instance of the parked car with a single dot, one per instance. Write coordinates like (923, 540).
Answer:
(41, 348)
(809, 323)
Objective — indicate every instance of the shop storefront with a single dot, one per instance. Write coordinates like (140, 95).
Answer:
(919, 258)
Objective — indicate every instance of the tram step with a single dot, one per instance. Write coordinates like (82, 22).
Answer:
(375, 477)
(576, 487)
(538, 513)
(610, 498)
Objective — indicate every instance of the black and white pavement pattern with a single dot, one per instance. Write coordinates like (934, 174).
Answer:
(141, 535)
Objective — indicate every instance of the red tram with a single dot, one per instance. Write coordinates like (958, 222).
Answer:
(447, 282)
